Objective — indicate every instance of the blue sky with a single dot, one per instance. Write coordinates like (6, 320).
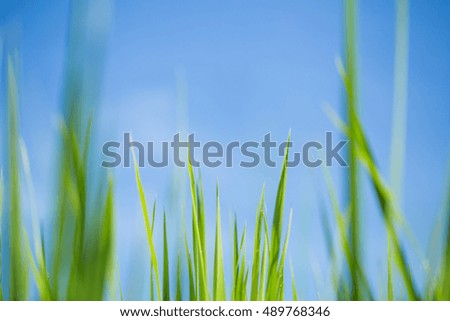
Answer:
(249, 68)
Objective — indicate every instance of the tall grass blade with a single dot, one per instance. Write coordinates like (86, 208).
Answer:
(283, 260)
(40, 269)
(166, 272)
(277, 230)
(235, 267)
(384, 198)
(102, 256)
(345, 243)
(241, 270)
(353, 188)
(192, 283)
(264, 260)
(148, 228)
(219, 292)
(256, 265)
(152, 276)
(179, 289)
(443, 292)
(41, 280)
(202, 221)
(18, 268)
(398, 140)
(198, 245)
(294, 288)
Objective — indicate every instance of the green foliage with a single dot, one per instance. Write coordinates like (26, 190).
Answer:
(166, 272)
(82, 246)
(148, 228)
(81, 252)
(219, 292)
(18, 271)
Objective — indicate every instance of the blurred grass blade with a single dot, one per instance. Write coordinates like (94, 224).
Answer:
(18, 272)
(39, 270)
(119, 283)
(398, 140)
(340, 220)
(443, 291)
(353, 183)
(385, 200)
(384, 197)
(41, 279)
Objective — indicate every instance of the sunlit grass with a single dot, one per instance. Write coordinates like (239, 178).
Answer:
(78, 261)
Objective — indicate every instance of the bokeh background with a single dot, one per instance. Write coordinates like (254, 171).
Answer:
(237, 70)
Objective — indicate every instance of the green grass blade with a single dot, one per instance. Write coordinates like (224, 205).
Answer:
(41, 279)
(359, 150)
(219, 291)
(257, 250)
(282, 260)
(443, 290)
(241, 271)
(202, 221)
(390, 287)
(353, 189)
(385, 200)
(235, 267)
(119, 283)
(40, 269)
(166, 272)
(179, 290)
(152, 276)
(199, 254)
(264, 261)
(148, 228)
(294, 288)
(192, 283)
(345, 243)
(18, 269)
(398, 140)
(277, 222)
(277, 230)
